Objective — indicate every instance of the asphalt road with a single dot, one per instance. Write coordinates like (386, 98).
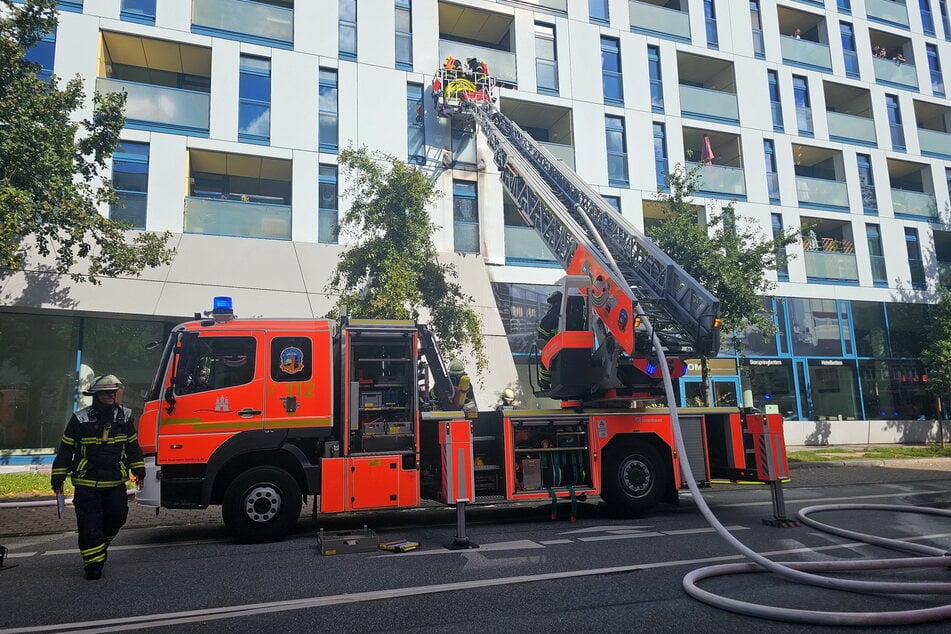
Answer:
(531, 574)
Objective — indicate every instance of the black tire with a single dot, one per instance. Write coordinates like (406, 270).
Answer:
(634, 478)
(262, 505)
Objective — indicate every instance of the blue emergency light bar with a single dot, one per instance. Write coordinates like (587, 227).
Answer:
(222, 306)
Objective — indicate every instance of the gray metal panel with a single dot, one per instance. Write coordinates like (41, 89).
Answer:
(691, 427)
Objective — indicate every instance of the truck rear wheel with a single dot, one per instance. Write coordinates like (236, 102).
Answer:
(262, 504)
(634, 478)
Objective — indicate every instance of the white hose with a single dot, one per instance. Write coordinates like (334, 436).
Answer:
(801, 571)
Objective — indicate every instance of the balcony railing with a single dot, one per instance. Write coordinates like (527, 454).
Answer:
(501, 63)
(916, 204)
(891, 72)
(524, 244)
(661, 20)
(151, 106)
(944, 274)
(720, 179)
(237, 218)
(131, 208)
(851, 127)
(244, 20)
(934, 142)
(555, 5)
(831, 266)
(709, 104)
(806, 52)
(887, 11)
(823, 193)
(466, 236)
(879, 273)
(564, 153)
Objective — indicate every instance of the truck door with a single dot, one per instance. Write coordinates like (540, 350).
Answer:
(299, 378)
(218, 392)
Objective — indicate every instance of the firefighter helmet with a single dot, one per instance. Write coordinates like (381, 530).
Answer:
(456, 367)
(508, 394)
(555, 298)
(103, 383)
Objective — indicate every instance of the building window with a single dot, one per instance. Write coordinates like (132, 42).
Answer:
(803, 107)
(614, 201)
(617, 151)
(415, 124)
(141, 11)
(876, 255)
(756, 21)
(327, 204)
(327, 111)
(894, 122)
(927, 19)
(465, 216)
(917, 267)
(845, 6)
(598, 11)
(867, 183)
(782, 267)
(611, 71)
(347, 29)
(657, 87)
(934, 66)
(710, 18)
(660, 157)
(254, 98)
(848, 49)
(546, 61)
(130, 177)
(404, 34)
(945, 20)
(775, 103)
(772, 176)
(43, 53)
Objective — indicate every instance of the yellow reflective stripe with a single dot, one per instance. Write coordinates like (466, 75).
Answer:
(96, 559)
(93, 550)
(138, 465)
(96, 483)
(66, 440)
(303, 422)
(60, 471)
(133, 438)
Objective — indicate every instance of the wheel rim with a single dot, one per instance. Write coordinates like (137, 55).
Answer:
(262, 503)
(636, 477)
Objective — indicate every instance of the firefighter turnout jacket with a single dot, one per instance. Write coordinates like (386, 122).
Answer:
(99, 448)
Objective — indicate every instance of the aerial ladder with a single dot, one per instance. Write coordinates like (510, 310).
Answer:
(615, 274)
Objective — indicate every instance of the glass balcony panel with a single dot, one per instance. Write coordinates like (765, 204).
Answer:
(887, 10)
(242, 17)
(501, 63)
(463, 147)
(617, 169)
(131, 208)
(879, 273)
(849, 126)
(827, 265)
(819, 191)
(804, 120)
(944, 274)
(524, 243)
(650, 17)
(564, 153)
(894, 73)
(466, 237)
(911, 203)
(546, 74)
(236, 218)
(806, 52)
(159, 104)
(772, 186)
(934, 142)
(708, 103)
(327, 226)
(720, 179)
(555, 5)
(759, 46)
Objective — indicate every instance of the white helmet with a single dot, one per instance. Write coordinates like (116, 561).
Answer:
(103, 383)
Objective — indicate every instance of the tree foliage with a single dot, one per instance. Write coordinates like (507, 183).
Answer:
(51, 166)
(391, 270)
(937, 352)
(726, 254)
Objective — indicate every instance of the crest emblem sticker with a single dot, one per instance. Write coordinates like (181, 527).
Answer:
(292, 360)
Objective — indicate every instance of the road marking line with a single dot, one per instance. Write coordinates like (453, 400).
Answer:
(693, 531)
(605, 538)
(835, 499)
(553, 542)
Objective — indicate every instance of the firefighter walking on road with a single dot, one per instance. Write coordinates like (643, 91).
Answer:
(98, 450)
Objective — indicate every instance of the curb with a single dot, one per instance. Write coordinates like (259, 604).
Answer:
(880, 462)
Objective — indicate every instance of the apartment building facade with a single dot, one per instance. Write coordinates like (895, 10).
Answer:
(827, 116)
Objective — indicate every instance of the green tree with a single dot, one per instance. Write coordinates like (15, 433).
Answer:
(937, 352)
(391, 270)
(51, 181)
(726, 254)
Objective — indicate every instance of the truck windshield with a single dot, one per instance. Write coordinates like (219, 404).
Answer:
(155, 391)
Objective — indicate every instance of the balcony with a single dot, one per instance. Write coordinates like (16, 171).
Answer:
(720, 179)
(851, 128)
(887, 11)
(891, 73)
(934, 143)
(564, 153)
(237, 218)
(944, 274)
(501, 63)
(172, 109)
(523, 245)
(914, 204)
(705, 103)
(822, 193)
(806, 53)
(245, 21)
(829, 266)
(558, 6)
(648, 17)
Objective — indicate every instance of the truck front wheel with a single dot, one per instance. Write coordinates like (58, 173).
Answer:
(262, 505)
(634, 478)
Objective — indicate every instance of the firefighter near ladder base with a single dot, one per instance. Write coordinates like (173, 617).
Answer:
(98, 450)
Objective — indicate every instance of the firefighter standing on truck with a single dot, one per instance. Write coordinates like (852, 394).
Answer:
(99, 448)
(548, 328)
